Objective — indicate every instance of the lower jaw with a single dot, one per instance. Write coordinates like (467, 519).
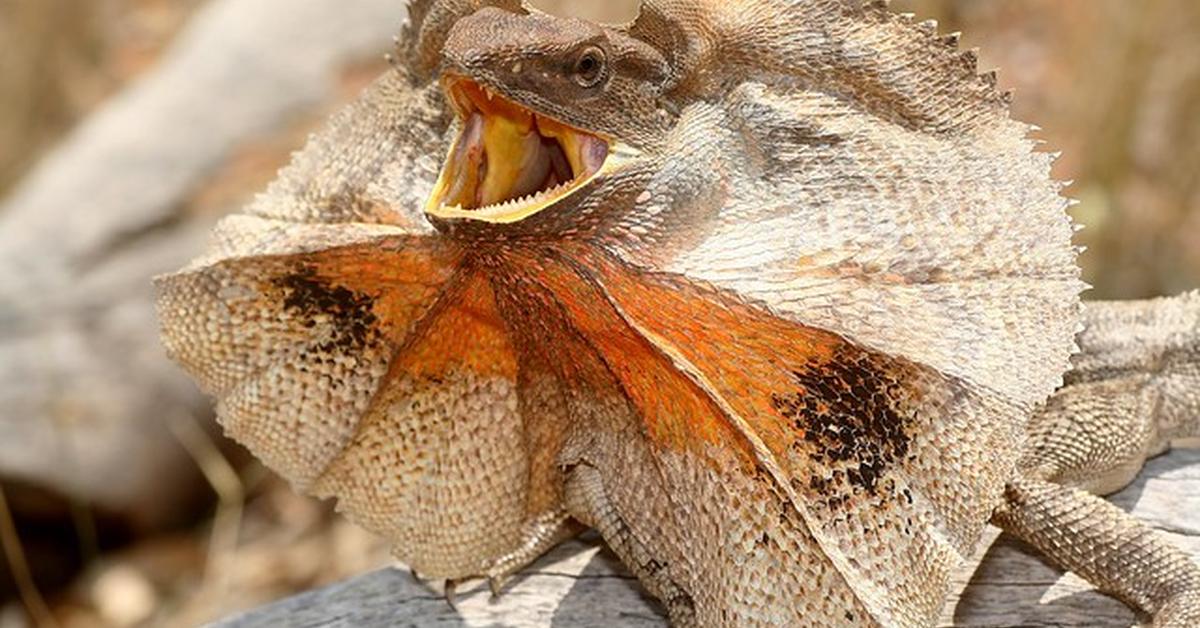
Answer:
(515, 210)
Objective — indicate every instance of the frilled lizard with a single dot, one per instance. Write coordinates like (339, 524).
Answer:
(764, 291)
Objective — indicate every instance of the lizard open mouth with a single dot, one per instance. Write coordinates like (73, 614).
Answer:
(509, 162)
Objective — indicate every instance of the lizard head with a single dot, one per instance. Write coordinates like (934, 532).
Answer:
(550, 112)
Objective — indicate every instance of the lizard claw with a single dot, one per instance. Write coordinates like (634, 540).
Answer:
(448, 590)
(496, 584)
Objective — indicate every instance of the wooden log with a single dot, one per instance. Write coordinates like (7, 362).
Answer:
(581, 584)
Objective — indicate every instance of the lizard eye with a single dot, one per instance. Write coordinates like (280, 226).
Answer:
(589, 67)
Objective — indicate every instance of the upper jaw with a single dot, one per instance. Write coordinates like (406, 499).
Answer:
(509, 162)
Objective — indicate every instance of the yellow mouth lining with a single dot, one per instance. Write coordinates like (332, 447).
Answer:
(509, 162)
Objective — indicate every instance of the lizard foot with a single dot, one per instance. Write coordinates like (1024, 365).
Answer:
(541, 534)
(450, 588)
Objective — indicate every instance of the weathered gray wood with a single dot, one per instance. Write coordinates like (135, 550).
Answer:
(85, 390)
(581, 584)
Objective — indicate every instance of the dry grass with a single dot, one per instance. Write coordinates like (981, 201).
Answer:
(18, 564)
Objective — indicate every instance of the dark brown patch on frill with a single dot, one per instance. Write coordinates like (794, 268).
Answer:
(853, 416)
(351, 313)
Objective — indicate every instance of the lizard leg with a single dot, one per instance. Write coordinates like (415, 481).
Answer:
(1106, 546)
(588, 502)
(1097, 435)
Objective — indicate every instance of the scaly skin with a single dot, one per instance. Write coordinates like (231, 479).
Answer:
(1133, 391)
(780, 351)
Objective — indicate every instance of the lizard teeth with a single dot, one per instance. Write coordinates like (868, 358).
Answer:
(529, 199)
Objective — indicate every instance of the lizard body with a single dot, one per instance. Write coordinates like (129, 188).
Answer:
(764, 291)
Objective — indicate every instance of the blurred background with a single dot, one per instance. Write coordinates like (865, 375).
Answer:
(120, 504)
